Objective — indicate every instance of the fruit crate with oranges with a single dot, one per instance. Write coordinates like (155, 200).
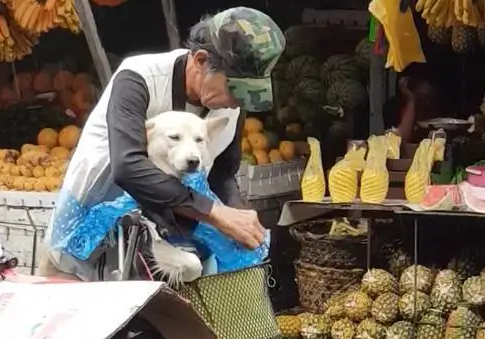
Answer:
(270, 165)
(271, 168)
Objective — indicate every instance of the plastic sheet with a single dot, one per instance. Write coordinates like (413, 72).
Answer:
(230, 255)
(79, 230)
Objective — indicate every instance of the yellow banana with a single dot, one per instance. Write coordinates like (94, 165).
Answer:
(33, 17)
(420, 5)
(24, 20)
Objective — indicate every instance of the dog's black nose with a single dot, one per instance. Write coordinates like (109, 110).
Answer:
(193, 164)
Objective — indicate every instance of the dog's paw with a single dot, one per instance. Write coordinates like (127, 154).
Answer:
(192, 268)
(176, 265)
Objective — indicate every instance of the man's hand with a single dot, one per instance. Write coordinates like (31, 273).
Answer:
(242, 226)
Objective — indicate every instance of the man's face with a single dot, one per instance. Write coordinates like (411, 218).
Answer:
(213, 90)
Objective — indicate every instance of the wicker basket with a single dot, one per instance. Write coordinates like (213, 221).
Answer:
(317, 284)
(329, 251)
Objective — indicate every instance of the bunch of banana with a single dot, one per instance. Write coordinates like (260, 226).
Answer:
(38, 16)
(343, 227)
(68, 16)
(467, 12)
(15, 43)
(446, 13)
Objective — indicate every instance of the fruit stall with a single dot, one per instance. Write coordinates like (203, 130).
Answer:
(387, 242)
(43, 106)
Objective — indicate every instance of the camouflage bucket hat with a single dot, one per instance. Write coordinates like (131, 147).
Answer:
(249, 43)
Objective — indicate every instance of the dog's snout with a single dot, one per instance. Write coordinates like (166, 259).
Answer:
(193, 164)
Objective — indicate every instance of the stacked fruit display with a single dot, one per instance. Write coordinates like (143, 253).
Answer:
(459, 23)
(260, 146)
(74, 91)
(421, 303)
(39, 167)
(303, 85)
(41, 16)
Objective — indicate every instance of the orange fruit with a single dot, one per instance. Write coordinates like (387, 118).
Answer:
(261, 157)
(258, 141)
(60, 152)
(253, 125)
(287, 150)
(245, 145)
(275, 156)
(48, 137)
(69, 136)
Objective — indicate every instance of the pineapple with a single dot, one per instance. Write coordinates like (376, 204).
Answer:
(335, 312)
(385, 309)
(335, 305)
(482, 273)
(413, 305)
(481, 332)
(307, 319)
(401, 330)
(439, 35)
(463, 38)
(416, 274)
(289, 325)
(431, 326)
(399, 261)
(318, 328)
(474, 291)
(376, 282)
(370, 329)
(343, 329)
(446, 292)
(357, 306)
(324, 327)
(462, 324)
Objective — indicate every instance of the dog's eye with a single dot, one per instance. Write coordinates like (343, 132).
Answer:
(174, 137)
(199, 140)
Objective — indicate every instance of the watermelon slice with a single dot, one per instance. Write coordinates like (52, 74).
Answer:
(438, 198)
(476, 175)
(474, 203)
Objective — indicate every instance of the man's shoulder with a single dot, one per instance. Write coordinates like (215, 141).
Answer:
(152, 64)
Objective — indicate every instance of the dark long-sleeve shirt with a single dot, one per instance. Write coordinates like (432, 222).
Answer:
(133, 171)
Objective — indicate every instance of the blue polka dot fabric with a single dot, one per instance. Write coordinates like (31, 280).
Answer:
(78, 230)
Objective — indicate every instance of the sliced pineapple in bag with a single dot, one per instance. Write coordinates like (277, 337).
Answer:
(313, 180)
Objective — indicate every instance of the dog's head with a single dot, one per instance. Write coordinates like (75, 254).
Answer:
(178, 141)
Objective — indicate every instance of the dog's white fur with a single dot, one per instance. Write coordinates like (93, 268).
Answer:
(177, 141)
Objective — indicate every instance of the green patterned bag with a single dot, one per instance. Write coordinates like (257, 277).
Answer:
(235, 305)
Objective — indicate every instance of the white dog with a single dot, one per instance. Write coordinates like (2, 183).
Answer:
(177, 144)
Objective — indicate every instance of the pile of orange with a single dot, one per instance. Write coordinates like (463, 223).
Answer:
(262, 147)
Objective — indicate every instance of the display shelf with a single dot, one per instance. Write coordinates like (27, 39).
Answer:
(298, 210)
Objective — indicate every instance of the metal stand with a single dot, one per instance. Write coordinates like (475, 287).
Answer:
(128, 224)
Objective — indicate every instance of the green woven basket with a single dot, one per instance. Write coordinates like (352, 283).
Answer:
(235, 305)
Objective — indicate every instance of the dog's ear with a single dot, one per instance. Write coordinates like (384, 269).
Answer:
(216, 125)
(149, 125)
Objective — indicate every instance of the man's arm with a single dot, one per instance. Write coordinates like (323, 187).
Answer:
(222, 177)
(133, 171)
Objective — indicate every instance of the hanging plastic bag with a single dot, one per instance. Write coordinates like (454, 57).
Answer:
(401, 33)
